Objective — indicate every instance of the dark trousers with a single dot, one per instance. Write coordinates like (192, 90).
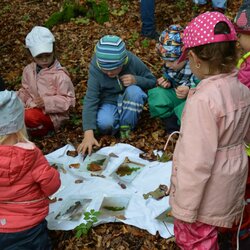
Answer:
(2, 85)
(170, 124)
(148, 17)
(35, 238)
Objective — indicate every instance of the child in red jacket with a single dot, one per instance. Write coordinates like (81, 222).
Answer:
(26, 181)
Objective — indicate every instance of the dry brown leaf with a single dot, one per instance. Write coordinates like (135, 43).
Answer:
(74, 165)
(72, 153)
(94, 167)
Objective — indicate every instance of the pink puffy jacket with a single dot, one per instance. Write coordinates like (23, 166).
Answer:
(54, 86)
(26, 181)
(210, 163)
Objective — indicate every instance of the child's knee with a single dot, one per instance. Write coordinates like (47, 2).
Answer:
(106, 125)
(31, 118)
(135, 93)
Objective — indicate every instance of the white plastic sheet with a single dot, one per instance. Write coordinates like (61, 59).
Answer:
(92, 191)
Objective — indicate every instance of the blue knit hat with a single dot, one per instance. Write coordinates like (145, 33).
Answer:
(11, 113)
(170, 43)
(110, 52)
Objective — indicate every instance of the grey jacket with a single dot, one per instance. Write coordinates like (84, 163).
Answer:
(103, 89)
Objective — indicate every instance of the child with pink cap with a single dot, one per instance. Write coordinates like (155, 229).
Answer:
(210, 163)
(47, 91)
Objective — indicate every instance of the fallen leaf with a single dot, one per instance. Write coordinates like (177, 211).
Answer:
(72, 153)
(74, 165)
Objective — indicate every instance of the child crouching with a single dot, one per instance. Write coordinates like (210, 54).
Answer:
(168, 99)
(47, 91)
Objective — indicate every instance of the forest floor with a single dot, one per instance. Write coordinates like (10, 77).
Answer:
(75, 41)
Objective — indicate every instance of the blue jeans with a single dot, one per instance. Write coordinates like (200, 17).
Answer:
(148, 17)
(216, 3)
(127, 111)
(35, 238)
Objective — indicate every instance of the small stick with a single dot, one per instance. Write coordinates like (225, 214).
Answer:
(133, 162)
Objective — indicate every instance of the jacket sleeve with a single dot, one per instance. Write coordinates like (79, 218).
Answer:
(25, 92)
(91, 100)
(244, 73)
(65, 96)
(194, 159)
(47, 177)
(144, 78)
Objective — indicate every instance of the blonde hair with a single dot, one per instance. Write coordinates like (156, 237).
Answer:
(21, 136)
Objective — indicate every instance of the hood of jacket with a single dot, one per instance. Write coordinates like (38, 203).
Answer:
(15, 163)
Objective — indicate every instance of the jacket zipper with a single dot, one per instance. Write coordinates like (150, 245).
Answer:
(119, 82)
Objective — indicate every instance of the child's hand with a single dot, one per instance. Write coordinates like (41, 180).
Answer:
(39, 102)
(182, 91)
(127, 80)
(163, 83)
(87, 143)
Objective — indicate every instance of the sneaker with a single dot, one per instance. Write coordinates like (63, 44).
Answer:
(125, 131)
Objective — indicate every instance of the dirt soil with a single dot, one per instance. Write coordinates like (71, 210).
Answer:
(75, 42)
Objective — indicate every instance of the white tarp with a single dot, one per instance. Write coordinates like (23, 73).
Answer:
(93, 192)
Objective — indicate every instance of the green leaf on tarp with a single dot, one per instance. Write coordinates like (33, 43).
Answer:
(114, 208)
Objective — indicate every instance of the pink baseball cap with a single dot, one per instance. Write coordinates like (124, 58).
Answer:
(200, 31)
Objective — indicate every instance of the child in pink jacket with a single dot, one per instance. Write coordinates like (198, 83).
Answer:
(47, 91)
(242, 25)
(210, 163)
(26, 181)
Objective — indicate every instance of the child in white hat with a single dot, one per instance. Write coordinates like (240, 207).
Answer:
(47, 91)
(210, 164)
(26, 181)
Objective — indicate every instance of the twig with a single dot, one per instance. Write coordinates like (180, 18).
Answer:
(151, 65)
(133, 162)
(32, 1)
